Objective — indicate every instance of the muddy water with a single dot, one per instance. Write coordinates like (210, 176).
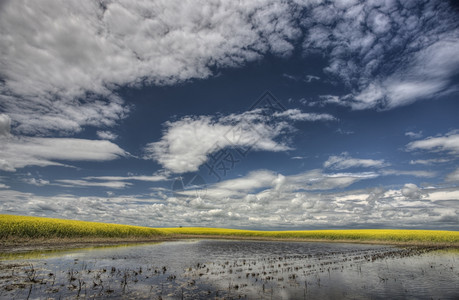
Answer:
(203, 269)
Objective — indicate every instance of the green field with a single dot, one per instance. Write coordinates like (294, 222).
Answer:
(21, 227)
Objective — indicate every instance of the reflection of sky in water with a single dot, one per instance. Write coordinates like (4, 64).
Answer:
(209, 268)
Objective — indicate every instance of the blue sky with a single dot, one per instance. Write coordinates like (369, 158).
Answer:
(265, 115)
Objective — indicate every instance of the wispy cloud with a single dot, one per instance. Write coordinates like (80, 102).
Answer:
(308, 78)
(428, 162)
(344, 161)
(86, 183)
(308, 181)
(414, 135)
(311, 78)
(415, 173)
(153, 178)
(34, 151)
(443, 143)
(298, 115)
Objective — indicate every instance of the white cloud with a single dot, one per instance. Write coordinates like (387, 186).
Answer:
(415, 173)
(36, 181)
(153, 178)
(186, 143)
(266, 204)
(453, 176)
(4, 186)
(376, 49)
(411, 191)
(448, 143)
(443, 194)
(344, 161)
(41, 116)
(85, 183)
(5, 125)
(86, 49)
(428, 162)
(51, 82)
(107, 135)
(298, 115)
(345, 132)
(326, 99)
(253, 181)
(34, 151)
(291, 77)
(414, 135)
(307, 181)
(317, 180)
(310, 78)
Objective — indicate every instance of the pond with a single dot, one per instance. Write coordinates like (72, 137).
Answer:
(229, 269)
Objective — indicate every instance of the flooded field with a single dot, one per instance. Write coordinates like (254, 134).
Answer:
(223, 269)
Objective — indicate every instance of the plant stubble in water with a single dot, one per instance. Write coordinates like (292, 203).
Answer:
(201, 269)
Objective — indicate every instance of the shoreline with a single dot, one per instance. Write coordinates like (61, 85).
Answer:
(50, 244)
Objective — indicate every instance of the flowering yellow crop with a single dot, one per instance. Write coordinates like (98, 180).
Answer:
(386, 235)
(37, 227)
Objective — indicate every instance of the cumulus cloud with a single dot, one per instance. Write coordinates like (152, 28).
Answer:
(86, 49)
(344, 161)
(186, 143)
(376, 49)
(35, 151)
(411, 191)
(443, 143)
(269, 206)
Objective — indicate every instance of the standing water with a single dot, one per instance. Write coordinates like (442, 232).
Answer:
(223, 269)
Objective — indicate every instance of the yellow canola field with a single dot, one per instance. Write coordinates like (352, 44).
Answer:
(12, 226)
(38, 227)
(388, 235)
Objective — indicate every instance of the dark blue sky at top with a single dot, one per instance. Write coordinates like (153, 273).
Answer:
(369, 135)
